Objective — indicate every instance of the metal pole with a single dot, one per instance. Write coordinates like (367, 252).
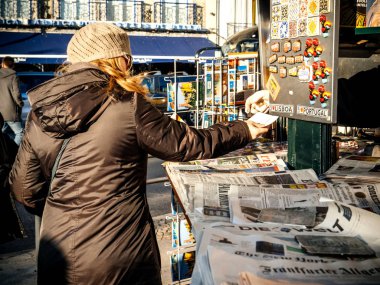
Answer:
(37, 227)
(175, 87)
(197, 96)
(157, 180)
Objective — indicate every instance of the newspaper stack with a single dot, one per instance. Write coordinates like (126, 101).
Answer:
(256, 222)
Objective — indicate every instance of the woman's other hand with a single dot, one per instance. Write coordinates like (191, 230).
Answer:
(257, 102)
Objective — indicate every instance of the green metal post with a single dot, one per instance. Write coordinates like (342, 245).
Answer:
(309, 145)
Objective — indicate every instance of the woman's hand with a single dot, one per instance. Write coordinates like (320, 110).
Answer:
(257, 102)
(257, 130)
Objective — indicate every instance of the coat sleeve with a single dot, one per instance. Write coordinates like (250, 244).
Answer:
(26, 179)
(171, 140)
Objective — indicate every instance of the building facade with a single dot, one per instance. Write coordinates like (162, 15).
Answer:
(37, 31)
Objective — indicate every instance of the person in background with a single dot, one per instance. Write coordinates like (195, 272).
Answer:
(11, 226)
(373, 15)
(10, 99)
(96, 227)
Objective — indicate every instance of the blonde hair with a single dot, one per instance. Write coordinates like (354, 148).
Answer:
(118, 77)
(111, 66)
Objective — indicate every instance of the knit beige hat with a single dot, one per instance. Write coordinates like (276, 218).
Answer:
(97, 41)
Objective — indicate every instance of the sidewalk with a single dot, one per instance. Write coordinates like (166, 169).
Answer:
(17, 258)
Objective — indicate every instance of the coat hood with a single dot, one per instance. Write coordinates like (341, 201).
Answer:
(65, 105)
(5, 72)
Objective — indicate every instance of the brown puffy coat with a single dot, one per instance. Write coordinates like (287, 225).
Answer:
(96, 226)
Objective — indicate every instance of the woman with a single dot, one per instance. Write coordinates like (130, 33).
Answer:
(96, 226)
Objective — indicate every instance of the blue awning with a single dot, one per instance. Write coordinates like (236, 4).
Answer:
(50, 48)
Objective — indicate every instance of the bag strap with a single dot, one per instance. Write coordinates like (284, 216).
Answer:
(66, 141)
(57, 160)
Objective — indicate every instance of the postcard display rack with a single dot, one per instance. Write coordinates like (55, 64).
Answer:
(302, 60)
(226, 83)
(221, 86)
(182, 257)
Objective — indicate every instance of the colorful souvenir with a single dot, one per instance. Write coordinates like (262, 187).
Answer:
(324, 6)
(309, 43)
(322, 19)
(276, 13)
(281, 59)
(303, 9)
(284, 30)
(273, 58)
(284, 12)
(321, 89)
(311, 86)
(293, 11)
(275, 30)
(298, 58)
(325, 98)
(293, 33)
(304, 72)
(296, 46)
(302, 27)
(322, 64)
(325, 74)
(308, 53)
(283, 72)
(293, 71)
(313, 26)
(287, 46)
(317, 52)
(323, 77)
(275, 47)
(312, 8)
(313, 96)
(326, 28)
(273, 69)
(327, 71)
(290, 60)
(316, 76)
